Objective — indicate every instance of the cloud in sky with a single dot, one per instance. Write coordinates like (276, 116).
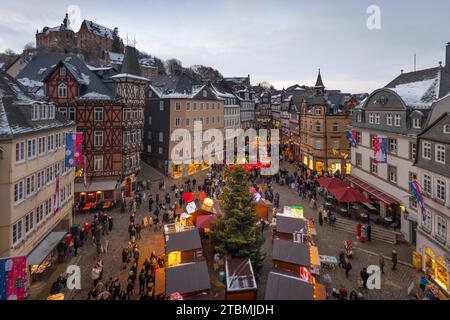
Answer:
(283, 42)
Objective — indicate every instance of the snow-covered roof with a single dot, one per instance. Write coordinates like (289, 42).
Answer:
(129, 76)
(420, 94)
(94, 96)
(176, 86)
(47, 30)
(16, 108)
(419, 89)
(99, 30)
(222, 92)
(41, 65)
(115, 57)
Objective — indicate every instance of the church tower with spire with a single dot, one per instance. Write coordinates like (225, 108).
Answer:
(319, 87)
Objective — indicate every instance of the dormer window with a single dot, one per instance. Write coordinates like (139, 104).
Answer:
(51, 112)
(317, 111)
(397, 120)
(359, 117)
(62, 71)
(446, 129)
(416, 123)
(35, 112)
(205, 93)
(62, 91)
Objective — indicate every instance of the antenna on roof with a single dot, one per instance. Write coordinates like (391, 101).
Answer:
(415, 62)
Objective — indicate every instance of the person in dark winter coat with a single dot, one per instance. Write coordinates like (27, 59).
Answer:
(142, 278)
(124, 258)
(369, 232)
(394, 259)
(320, 218)
(365, 276)
(348, 267)
(110, 223)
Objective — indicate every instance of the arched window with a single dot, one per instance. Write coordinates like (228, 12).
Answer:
(62, 91)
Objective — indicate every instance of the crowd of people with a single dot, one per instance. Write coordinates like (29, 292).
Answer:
(163, 207)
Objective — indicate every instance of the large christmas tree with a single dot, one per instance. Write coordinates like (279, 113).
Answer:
(238, 233)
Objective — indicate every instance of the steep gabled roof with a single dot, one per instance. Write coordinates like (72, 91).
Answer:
(99, 30)
(16, 108)
(176, 86)
(418, 89)
(42, 65)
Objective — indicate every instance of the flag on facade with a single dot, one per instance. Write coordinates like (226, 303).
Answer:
(351, 136)
(380, 150)
(85, 182)
(56, 196)
(417, 194)
(78, 150)
(69, 160)
(12, 278)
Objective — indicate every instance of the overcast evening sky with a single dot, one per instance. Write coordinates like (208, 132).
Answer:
(282, 42)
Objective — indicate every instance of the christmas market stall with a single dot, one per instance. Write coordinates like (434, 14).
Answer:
(189, 280)
(295, 256)
(240, 280)
(288, 285)
(264, 207)
(182, 245)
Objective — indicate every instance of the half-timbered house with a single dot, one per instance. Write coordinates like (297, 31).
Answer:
(108, 109)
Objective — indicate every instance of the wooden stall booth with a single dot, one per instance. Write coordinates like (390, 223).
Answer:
(240, 280)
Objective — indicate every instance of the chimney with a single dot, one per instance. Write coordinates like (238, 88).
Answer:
(447, 57)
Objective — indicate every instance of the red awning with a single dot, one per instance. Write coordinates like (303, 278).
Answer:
(381, 196)
(331, 183)
(348, 194)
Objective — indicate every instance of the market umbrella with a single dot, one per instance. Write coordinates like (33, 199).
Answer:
(347, 194)
(205, 221)
(332, 183)
(188, 197)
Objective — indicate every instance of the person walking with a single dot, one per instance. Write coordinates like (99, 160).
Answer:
(110, 223)
(142, 278)
(365, 276)
(381, 262)
(394, 259)
(348, 267)
(369, 232)
(320, 217)
(150, 203)
(130, 288)
(124, 258)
